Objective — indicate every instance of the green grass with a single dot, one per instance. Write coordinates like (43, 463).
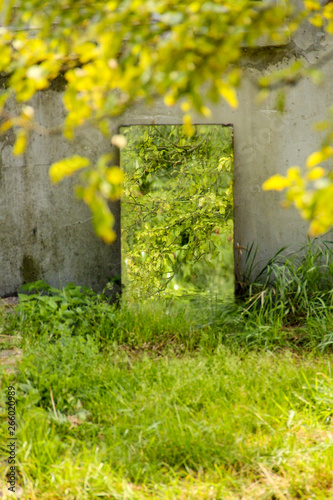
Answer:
(192, 399)
(105, 420)
(113, 424)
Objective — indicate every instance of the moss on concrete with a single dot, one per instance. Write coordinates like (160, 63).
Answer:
(30, 270)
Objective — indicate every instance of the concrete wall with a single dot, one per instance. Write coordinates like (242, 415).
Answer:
(46, 234)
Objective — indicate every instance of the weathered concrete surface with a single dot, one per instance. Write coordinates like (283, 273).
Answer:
(45, 233)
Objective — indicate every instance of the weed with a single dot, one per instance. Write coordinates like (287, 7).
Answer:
(74, 309)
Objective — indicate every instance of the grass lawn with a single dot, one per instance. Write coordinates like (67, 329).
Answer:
(142, 403)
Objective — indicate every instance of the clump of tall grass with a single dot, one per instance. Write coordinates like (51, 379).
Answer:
(291, 289)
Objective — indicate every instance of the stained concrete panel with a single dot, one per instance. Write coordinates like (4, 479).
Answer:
(45, 232)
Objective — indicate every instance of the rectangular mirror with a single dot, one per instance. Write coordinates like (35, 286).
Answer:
(177, 211)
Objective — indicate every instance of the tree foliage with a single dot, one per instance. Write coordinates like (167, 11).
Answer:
(112, 53)
(177, 208)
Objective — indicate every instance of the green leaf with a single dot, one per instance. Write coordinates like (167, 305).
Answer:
(67, 167)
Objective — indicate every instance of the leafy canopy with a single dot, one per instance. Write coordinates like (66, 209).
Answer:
(112, 53)
(177, 210)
